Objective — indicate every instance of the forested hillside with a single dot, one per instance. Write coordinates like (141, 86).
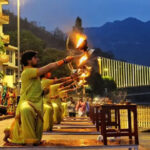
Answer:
(128, 39)
(50, 45)
(55, 39)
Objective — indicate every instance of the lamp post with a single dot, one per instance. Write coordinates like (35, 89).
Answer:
(18, 42)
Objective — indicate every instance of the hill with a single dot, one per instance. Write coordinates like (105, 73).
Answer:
(128, 39)
(55, 39)
(50, 45)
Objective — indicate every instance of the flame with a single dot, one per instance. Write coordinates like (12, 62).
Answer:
(79, 70)
(88, 68)
(85, 75)
(80, 39)
(81, 82)
(83, 59)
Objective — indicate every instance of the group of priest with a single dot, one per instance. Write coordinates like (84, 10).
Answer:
(41, 100)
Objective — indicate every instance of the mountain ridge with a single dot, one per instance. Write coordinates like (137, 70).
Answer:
(128, 39)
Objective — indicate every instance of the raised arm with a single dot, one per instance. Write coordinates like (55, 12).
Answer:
(66, 83)
(53, 66)
(61, 79)
(54, 97)
(71, 90)
(67, 87)
(74, 76)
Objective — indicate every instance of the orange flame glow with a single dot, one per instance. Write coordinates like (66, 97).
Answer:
(88, 68)
(80, 39)
(83, 59)
(81, 82)
(85, 75)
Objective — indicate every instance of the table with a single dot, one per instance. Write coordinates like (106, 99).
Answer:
(103, 118)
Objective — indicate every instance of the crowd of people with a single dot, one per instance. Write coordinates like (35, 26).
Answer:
(8, 101)
(81, 108)
(43, 101)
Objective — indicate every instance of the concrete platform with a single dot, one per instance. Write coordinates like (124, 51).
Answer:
(72, 134)
(3, 117)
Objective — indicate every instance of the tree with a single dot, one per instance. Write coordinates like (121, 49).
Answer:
(28, 41)
(109, 83)
(37, 30)
(52, 55)
(2, 51)
(59, 38)
(96, 83)
(2, 47)
(58, 34)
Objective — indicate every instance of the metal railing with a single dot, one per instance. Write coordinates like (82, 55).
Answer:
(123, 73)
(143, 117)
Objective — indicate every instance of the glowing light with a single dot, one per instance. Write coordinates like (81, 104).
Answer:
(106, 69)
(80, 82)
(89, 68)
(83, 59)
(80, 41)
(79, 70)
(123, 73)
(80, 38)
(85, 75)
(100, 65)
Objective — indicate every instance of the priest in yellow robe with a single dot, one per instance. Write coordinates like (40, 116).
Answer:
(27, 127)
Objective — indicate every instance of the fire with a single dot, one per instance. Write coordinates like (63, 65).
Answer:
(79, 71)
(83, 59)
(81, 82)
(89, 68)
(80, 39)
(85, 75)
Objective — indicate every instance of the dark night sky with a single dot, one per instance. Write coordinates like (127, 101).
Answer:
(62, 13)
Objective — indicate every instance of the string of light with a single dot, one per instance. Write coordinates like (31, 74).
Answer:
(124, 74)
